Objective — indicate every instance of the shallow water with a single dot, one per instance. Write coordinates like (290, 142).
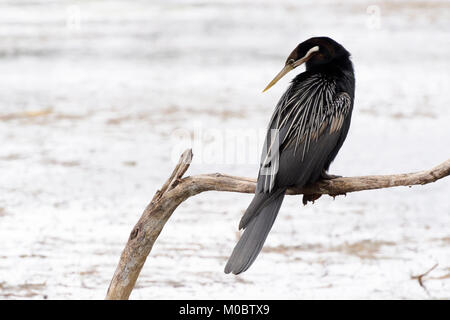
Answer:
(95, 96)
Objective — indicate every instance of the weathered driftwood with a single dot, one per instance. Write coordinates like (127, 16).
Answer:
(177, 189)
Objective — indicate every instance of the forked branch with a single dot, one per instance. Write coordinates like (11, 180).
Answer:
(177, 189)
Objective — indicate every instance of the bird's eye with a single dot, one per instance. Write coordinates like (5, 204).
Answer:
(291, 61)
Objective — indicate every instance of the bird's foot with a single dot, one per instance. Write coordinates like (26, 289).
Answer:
(325, 176)
(310, 197)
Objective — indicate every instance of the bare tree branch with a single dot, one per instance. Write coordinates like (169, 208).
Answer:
(420, 277)
(177, 189)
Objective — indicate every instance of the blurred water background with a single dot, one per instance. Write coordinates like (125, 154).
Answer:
(94, 96)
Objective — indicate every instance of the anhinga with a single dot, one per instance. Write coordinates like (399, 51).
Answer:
(307, 129)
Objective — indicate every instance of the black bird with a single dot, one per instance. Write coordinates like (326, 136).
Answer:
(307, 129)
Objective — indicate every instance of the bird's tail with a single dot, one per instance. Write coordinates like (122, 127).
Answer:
(256, 231)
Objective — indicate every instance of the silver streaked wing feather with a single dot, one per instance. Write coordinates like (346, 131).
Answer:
(302, 115)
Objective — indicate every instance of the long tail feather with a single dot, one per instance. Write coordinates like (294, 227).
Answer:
(255, 234)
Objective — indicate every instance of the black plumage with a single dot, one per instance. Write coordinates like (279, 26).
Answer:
(307, 129)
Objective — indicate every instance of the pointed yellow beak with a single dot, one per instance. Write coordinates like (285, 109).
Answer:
(291, 66)
(280, 75)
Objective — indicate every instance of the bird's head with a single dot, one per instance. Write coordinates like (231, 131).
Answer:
(314, 52)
